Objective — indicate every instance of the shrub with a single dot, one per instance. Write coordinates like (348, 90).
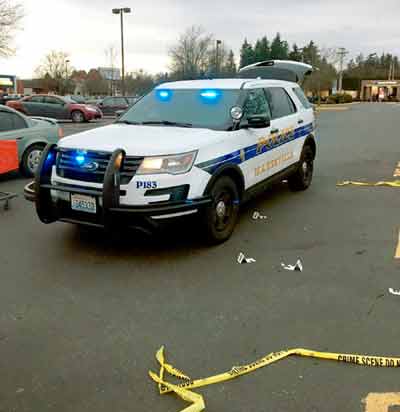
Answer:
(339, 99)
(331, 100)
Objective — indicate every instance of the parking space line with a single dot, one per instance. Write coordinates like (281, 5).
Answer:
(397, 255)
(382, 402)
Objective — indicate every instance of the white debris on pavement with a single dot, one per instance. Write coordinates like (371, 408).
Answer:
(297, 267)
(258, 216)
(242, 259)
(394, 292)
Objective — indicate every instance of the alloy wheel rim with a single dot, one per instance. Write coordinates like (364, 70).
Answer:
(223, 211)
(33, 160)
(78, 116)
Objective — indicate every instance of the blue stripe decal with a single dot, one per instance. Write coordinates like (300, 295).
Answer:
(251, 151)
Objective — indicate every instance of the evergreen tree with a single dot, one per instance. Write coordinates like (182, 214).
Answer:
(246, 54)
(229, 70)
(261, 50)
(295, 54)
(279, 48)
(311, 54)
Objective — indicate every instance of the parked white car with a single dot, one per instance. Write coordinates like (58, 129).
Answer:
(190, 147)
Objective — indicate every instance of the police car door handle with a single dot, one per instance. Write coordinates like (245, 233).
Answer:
(274, 131)
(301, 121)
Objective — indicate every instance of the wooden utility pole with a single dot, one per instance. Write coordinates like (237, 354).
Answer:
(341, 54)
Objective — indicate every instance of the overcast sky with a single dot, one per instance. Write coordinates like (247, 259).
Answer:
(85, 28)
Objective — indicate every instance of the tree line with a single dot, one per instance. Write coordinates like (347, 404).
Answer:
(371, 67)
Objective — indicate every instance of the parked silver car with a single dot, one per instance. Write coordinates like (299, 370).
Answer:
(31, 133)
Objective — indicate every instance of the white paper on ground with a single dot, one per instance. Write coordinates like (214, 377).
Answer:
(297, 267)
(242, 259)
(258, 216)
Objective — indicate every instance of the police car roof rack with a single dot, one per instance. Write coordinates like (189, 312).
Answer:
(6, 197)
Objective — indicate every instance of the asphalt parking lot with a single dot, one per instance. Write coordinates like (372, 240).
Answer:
(71, 128)
(82, 314)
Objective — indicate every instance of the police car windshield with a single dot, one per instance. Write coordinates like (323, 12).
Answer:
(196, 107)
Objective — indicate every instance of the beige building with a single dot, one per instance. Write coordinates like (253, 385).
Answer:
(374, 90)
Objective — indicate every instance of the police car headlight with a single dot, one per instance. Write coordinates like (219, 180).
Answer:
(175, 164)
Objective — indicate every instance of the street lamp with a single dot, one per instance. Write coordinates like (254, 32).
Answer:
(121, 11)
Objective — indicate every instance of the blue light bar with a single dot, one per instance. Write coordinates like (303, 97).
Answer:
(210, 95)
(164, 95)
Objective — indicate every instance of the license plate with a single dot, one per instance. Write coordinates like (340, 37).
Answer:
(82, 203)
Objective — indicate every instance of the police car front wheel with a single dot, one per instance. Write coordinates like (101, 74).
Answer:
(221, 215)
(301, 179)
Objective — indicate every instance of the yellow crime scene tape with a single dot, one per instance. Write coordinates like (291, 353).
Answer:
(197, 401)
(393, 183)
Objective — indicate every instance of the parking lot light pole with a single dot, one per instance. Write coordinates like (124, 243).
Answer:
(121, 12)
(218, 43)
(66, 76)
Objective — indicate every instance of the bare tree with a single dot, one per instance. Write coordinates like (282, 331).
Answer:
(56, 66)
(190, 56)
(10, 16)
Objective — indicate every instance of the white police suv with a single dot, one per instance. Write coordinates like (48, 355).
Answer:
(189, 147)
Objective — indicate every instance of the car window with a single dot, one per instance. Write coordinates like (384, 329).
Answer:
(109, 101)
(280, 102)
(6, 123)
(18, 121)
(256, 103)
(36, 99)
(11, 121)
(302, 97)
(119, 101)
(51, 100)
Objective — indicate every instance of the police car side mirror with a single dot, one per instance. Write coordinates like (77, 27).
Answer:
(258, 121)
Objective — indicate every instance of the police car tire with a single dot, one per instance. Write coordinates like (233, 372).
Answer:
(220, 217)
(301, 179)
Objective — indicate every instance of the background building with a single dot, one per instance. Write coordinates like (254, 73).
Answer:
(8, 83)
(373, 90)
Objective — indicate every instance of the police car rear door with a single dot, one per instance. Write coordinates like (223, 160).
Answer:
(251, 153)
(284, 122)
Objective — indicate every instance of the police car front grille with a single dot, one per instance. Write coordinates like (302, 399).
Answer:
(68, 168)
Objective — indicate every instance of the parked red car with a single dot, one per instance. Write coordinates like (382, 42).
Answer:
(56, 107)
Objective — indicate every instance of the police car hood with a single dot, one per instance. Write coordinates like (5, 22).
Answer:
(142, 140)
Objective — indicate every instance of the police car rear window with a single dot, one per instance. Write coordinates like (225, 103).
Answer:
(301, 96)
(280, 103)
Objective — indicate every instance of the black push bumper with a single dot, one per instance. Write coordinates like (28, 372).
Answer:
(109, 211)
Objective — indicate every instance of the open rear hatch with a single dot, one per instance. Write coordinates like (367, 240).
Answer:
(287, 70)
